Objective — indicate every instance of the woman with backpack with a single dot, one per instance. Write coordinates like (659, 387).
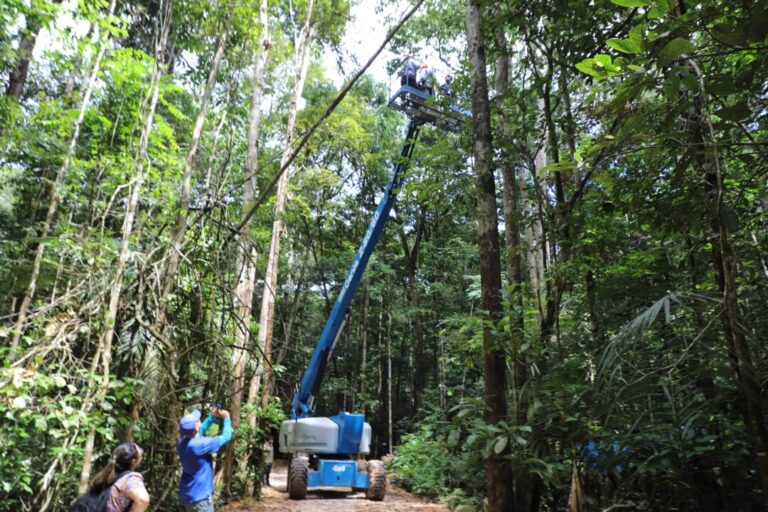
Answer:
(118, 487)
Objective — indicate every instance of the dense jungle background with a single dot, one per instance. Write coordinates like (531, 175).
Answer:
(567, 309)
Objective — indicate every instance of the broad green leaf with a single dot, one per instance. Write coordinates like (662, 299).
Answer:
(674, 49)
(672, 86)
(628, 91)
(665, 5)
(488, 448)
(500, 444)
(600, 66)
(587, 66)
(723, 86)
(453, 438)
(625, 45)
(737, 112)
(559, 166)
(631, 3)
(634, 42)
(637, 32)
(690, 82)
(603, 59)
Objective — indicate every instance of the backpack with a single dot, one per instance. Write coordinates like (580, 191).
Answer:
(96, 501)
(92, 502)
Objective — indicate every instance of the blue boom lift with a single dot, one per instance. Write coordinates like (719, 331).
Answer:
(325, 449)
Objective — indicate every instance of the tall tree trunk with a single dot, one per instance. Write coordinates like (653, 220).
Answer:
(554, 286)
(498, 469)
(243, 304)
(105, 343)
(390, 436)
(186, 182)
(725, 264)
(246, 258)
(747, 376)
(534, 238)
(267, 313)
(18, 76)
(169, 276)
(514, 263)
(598, 339)
(56, 190)
(288, 327)
(364, 343)
(516, 284)
(380, 345)
(411, 263)
(17, 79)
(441, 386)
(570, 126)
(69, 87)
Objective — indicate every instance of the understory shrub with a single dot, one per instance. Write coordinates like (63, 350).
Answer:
(427, 464)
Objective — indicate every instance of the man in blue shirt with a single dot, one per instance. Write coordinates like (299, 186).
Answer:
(195, 449)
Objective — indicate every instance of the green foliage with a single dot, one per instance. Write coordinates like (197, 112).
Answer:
(40, 410)
(633, 44)
(249, 440)
(434, 460)
(423, 463)
(632, 3)
(600, 66)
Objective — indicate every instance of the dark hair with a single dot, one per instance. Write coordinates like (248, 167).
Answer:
(122, 458)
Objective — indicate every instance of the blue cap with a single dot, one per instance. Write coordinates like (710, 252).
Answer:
(188, 423)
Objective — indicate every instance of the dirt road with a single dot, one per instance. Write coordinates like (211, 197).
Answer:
(275, 498)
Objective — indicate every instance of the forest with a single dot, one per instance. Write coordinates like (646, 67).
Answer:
(565, 308)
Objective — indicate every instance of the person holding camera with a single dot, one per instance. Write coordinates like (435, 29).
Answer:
(195, 453)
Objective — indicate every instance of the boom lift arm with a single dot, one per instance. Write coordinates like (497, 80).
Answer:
(304, 400)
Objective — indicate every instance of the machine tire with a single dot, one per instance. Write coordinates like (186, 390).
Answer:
(297, 479)
(377, 487)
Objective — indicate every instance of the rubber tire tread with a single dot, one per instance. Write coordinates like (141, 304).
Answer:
(377, 487)
(297, 479)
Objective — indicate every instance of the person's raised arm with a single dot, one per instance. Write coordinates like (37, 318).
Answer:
(213, 444)
(226, 429)
(207, 423)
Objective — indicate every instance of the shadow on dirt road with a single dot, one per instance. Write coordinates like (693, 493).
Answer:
(275, 498)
